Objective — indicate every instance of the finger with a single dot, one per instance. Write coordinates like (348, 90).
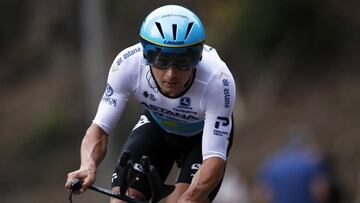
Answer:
(89, 180)
(68, 183)
(74, 175)
(82, 190)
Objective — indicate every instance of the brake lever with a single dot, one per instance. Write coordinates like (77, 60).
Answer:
(75, 186)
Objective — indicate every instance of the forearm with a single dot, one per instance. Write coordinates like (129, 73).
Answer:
(93, 148)
(205, 180)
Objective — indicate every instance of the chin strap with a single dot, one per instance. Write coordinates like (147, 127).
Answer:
(188, 83)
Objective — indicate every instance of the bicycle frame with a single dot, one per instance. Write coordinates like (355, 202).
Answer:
(158, 189)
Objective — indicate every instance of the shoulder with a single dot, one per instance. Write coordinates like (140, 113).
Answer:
(213, 73)
(212, 58)
(130, 56)
(126, 67)
(211, 65)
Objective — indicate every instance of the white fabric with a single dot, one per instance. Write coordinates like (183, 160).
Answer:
(206, 106)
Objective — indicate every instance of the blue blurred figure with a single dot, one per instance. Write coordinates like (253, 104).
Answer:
(296, 174)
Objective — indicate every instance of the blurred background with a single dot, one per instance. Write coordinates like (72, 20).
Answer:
(296, 64)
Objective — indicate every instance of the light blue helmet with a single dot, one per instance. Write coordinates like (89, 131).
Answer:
(172, 29)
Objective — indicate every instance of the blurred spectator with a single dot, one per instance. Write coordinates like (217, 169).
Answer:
(296, 174)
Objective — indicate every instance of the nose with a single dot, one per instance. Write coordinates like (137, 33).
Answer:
(171, 71)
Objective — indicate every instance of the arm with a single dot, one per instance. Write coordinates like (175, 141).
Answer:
(217, 130)
(93, 150)
(121, 81)
(205, 180)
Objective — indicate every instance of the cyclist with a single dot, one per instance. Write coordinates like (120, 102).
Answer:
(188, 94)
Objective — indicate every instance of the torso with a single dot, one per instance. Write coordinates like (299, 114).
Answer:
(206, 106)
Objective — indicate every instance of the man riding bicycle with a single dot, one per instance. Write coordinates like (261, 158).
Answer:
(188, 95)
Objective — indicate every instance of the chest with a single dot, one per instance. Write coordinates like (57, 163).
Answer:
(187, 107)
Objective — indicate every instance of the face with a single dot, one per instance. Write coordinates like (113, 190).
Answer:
(172, 81)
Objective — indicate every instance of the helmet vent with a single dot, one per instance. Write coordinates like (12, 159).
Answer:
(158, 25)
(174, 29)
(188, 29)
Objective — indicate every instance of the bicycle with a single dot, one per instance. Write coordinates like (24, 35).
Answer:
(132, 171)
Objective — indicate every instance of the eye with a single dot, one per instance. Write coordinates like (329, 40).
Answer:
(185, 61)
(162, 62)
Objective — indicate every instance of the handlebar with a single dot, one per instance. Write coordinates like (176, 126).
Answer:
(158, 189)
(76, 185)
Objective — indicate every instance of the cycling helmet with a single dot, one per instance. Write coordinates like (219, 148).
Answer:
(173, 30)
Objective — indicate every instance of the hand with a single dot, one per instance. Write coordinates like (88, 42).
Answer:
(86, 176)
(182, 200)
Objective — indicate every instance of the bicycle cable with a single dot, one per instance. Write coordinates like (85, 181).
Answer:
(75, 185)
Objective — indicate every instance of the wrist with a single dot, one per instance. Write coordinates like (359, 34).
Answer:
(189, 197)
(90, 167)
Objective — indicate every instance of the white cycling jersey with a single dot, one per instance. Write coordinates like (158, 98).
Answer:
(206, 106)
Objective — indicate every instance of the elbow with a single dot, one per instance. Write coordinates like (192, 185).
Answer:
(205, 179)
(210, 173)
(214, 167)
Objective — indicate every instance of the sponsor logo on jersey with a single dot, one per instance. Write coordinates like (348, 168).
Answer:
(226, 85)
(114, 177)
(195, 166)
(109, 100)
(107, 96)
(124, 57)
(185, 106)
(167, 112)
(143, 120)
(150, 96)
(109, 90)
(208, 49)
(119, 61)
(131, 52)
(220, 133)
(185, 101)
(185, 110)
(224, 121)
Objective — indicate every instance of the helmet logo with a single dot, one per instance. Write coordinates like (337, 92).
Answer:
(174, 32)
(174, 42)
(188, 29)
(158, 25)
(174, 28)
(174, 15)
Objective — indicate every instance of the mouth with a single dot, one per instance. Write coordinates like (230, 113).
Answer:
(171, 83)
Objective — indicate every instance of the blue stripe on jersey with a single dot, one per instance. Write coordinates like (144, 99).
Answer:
(176, 126)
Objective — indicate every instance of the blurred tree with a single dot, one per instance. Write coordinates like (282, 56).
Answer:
(93, 28)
